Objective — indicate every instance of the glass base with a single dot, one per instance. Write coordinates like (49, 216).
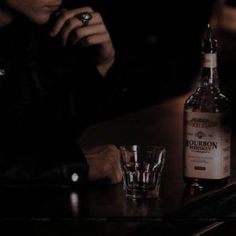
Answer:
(139, 194)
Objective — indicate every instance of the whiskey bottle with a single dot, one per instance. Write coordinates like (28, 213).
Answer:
(206, 136)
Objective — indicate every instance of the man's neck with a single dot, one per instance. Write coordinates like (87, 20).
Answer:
(6, 17)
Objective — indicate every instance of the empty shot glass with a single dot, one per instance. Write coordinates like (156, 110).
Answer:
(142, 167)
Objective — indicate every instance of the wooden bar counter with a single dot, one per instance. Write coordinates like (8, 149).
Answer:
(102, 209)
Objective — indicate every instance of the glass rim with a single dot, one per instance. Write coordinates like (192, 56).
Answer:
(159, 146)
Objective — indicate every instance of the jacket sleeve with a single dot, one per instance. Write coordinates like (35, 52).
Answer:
(64, 167)
(34, 151)
(98, 98)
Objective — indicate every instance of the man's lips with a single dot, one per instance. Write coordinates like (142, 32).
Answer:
(51, 7)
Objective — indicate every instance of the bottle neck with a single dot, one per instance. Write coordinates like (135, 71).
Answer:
(209, 74)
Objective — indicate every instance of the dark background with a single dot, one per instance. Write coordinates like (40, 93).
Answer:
(158, 44)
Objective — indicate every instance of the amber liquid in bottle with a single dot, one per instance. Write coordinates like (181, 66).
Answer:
(206, 137)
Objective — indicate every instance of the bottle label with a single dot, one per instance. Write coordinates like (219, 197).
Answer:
(209, 60)
(206, 146)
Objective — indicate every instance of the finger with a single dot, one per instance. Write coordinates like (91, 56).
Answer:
(101, 152)
(106, 166)
(107, 171)
(96, 19)
(58, 13)
(115, 175)
(94, 40)
(69, 26)
(98, 169)
(88, 150)
(64, 16)
(87, 31)
(74, 23)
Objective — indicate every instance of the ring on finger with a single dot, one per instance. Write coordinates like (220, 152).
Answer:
(85, 17)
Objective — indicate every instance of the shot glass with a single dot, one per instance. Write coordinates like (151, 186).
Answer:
(142, 167)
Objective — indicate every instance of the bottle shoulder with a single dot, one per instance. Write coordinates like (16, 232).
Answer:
(207, 100)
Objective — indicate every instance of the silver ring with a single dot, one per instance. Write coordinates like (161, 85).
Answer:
(85, 17)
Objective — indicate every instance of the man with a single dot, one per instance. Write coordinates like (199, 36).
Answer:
(53, 61)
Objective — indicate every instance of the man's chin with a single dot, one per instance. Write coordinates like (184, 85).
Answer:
(41, 20)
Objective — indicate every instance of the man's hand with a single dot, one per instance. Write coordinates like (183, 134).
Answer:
(104, 163)
(72, 31)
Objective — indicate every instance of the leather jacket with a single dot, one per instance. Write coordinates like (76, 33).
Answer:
(46, 98)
